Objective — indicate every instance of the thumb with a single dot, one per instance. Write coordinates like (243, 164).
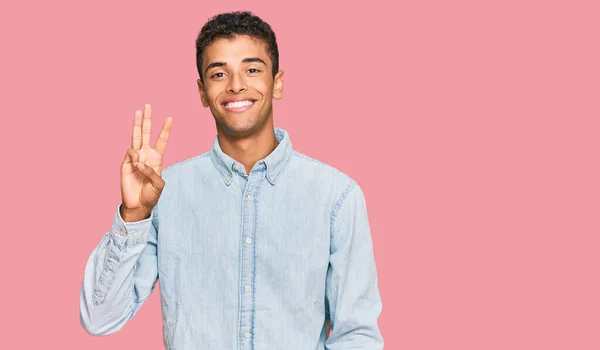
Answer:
(149, 173)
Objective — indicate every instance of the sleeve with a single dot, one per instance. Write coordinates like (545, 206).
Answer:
(353, 303)
(120, 275)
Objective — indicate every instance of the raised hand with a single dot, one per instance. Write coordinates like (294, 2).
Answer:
(141, 183)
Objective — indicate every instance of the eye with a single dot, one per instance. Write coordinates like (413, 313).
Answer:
(218, 75)
(253, 70)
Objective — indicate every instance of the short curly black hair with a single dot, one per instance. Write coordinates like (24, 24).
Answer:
(227, 25)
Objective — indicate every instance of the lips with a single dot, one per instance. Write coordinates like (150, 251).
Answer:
(238, 105)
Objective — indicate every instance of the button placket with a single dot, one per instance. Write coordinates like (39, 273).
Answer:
(247, 261)
(248, 246)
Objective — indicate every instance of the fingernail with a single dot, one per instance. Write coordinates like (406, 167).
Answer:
(134, 163)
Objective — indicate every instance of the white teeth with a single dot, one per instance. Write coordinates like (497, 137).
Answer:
(238, 104)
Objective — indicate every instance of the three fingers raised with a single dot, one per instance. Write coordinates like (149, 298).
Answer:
(142, 128)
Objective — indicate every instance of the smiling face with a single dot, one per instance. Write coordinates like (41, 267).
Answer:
(238, 85)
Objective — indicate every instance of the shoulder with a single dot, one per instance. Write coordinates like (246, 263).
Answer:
(319, 168)
(330, 177)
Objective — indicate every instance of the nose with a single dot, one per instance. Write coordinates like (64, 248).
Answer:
(237, 84)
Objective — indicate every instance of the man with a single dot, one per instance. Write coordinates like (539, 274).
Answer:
(256, 245)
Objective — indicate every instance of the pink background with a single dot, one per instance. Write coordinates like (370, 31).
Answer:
(472, 127)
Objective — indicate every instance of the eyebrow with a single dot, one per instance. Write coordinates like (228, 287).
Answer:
(253, 59)
(245, 60)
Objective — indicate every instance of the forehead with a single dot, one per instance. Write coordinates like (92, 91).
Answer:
(234, 50)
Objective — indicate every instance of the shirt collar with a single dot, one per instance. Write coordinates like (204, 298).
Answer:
(273, 164)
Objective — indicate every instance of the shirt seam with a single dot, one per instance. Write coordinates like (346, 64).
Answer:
(341, 200)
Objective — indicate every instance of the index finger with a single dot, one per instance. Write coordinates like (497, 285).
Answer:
(161, 143)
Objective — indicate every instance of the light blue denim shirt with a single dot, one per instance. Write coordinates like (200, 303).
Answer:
(256, 261)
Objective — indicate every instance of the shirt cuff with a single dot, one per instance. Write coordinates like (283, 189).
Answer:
(130, 233)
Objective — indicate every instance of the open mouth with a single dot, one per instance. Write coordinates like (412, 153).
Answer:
(238, 106)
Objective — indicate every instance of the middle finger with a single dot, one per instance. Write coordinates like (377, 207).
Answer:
(146, 126)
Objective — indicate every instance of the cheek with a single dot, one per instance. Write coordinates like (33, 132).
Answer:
(265, 87)
(211, 95)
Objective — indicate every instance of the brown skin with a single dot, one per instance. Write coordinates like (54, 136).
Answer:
(141, 184)
(247, 136)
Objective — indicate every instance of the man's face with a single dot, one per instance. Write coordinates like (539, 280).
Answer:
(238, 84)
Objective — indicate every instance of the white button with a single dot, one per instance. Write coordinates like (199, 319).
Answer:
(136, 235)
(236, 166)
(110, 267)
(250, 197)
(247, 288)
(123, 233)
(247, 335)
(272, 178)
(248, 240)
(227, 179)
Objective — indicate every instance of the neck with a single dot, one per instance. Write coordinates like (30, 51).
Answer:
(249, 149)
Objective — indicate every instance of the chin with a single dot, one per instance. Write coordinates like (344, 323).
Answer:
(239, 128)
(239, 125)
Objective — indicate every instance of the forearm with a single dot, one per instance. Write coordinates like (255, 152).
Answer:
(354, 319)
(109, 297)
(353, 298)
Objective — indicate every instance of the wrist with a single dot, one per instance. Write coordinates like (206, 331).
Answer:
(133, 215)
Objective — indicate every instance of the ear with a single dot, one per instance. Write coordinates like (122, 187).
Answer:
(278, 85)
(202, 92)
